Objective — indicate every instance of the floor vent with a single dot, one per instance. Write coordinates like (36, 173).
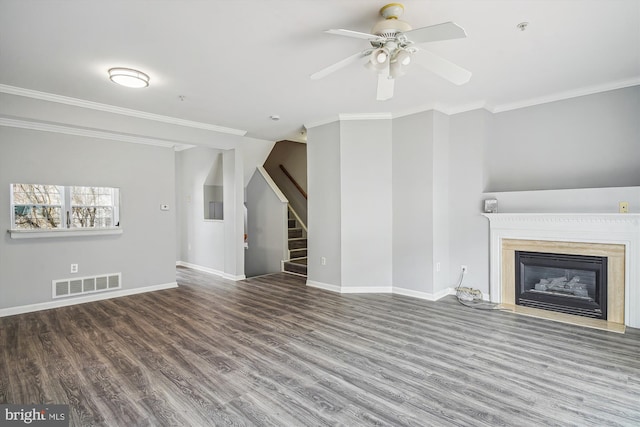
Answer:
(86, 285)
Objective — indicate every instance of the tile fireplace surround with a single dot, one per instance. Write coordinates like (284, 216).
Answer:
(575, 231)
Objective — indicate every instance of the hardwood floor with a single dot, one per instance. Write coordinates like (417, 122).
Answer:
(271, 352)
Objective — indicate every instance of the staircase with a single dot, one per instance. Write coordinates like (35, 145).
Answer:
(297, 262)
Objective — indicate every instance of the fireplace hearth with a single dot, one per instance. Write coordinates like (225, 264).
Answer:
(565, 283)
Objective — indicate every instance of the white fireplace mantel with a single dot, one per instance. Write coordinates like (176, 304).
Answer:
(621, 229)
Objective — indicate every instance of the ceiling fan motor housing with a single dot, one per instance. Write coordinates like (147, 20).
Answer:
(391, 24)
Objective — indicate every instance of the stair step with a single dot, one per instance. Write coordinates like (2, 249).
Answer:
(298, 243)
(298, 253)
(297, 266)
(295, 232)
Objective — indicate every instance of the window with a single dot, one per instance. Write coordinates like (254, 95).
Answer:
(36, 206)
(51, 207)
(94, 206)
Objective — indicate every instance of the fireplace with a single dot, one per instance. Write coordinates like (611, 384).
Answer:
(565, 283)
(614, 236)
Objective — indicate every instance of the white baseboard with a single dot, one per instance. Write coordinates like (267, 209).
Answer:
(350, 289)
(200, 268)
(83, 299)
(366, 289)
(211, 271)
(382, 290)
(325, 286)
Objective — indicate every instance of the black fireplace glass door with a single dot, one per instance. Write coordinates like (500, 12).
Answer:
(572, 284)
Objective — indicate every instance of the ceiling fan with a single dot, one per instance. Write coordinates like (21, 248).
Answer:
(394, 47)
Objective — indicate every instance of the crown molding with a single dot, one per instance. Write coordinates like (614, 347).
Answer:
(365, 116)
(76, 102)
(321, 122)
(447, 110)
(591, 90)
(343, 117)
(91, 133)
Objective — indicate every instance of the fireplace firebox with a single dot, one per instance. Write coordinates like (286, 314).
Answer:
(572, 284)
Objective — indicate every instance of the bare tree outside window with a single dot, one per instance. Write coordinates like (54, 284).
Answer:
(92, 206)
(37, 206)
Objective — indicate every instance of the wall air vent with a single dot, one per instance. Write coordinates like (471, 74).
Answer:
(86, 285)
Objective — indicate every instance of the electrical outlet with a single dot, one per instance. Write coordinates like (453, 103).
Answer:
(623, 207)
(323, 261)
(463, 268)
(74, 268)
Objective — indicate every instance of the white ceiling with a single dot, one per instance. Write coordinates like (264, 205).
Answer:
(239, 62)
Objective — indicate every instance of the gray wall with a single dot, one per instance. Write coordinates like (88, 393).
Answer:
(494, 151)
(144, 253)
(441, 192)
(201, 241)
(588, 141)
(323, 172)
(366, 210)
(412, 165)
(233, 173)
(443, 167)
(267, 228)
(468, 231)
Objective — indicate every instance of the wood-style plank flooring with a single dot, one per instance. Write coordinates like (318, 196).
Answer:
(270, 351)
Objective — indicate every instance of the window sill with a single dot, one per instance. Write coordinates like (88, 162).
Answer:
(64, 232)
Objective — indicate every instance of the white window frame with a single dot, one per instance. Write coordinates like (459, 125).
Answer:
(66, 228)
(115, 207)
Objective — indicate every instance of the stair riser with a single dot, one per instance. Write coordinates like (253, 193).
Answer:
(298, 244)
(295, 268)
(295, 233)
(297, 253)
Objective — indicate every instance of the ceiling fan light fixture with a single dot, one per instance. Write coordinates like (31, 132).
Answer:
(393, 43)
(399, 63)
(379, 60)
(128, 77)
(379, 57)
(403, 57)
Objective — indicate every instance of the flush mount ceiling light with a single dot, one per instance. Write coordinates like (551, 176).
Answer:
(129, 77)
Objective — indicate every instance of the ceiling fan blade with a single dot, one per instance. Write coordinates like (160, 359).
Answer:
(434, 33)
(440, 66)
(338, 65)
(355, 34)
(385, 87)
